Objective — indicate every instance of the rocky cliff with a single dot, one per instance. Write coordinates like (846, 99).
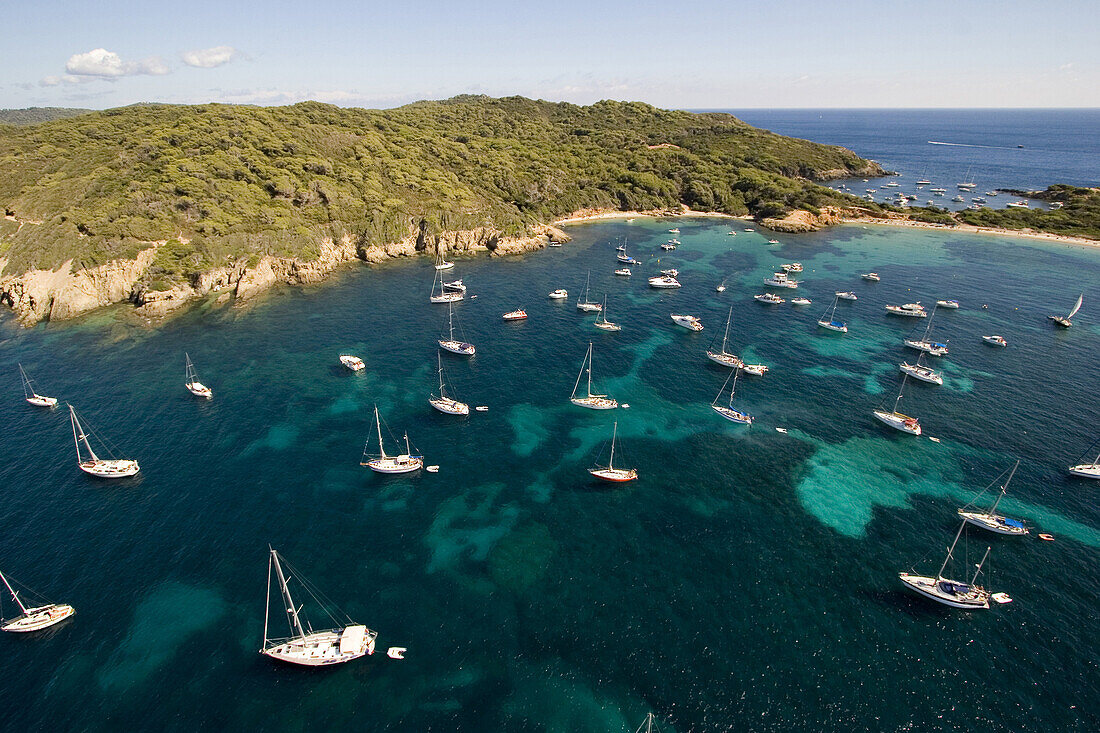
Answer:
(801, 220)
(62, 293)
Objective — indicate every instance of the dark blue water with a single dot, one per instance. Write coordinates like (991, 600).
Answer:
(974, 145)
(747, 581)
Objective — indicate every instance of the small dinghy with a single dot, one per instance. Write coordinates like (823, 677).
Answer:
(482, 408)
(432, 469)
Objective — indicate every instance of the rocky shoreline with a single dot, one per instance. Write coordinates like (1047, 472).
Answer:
(55, 295)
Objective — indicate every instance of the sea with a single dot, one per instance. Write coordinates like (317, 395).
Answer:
(748, 580)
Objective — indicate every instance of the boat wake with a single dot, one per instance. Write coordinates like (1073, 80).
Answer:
(973, 145)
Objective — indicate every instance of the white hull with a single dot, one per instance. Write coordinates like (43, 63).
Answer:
(321, 649)
(732, 415)
(559, 295)
(115, 468)
(447, 298)
(1086, 470)
(36, 619)
(833, 326)
(768, 299)
(589, 307)
(666, 282)
(615, 475)
(922, 373)
(929, 347)
(846, 296)
(689, 322)
(199, 389)
(595, 403)
(608, 326)
(780, 283)
(353, 363)
(40, 401)
(896, 420)
(952, 304)
(444, 265)
(992, 522)
(449, 406)
(757, 370)
(395, 464)
(455, 287)
(898, 311)
(726, 360)
(458, 347)
(944, 591)
(995, 341)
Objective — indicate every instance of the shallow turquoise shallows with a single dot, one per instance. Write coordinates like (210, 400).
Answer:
(746, 581)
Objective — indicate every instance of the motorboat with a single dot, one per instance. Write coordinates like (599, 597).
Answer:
(668, 246)
(756, 370)
(951, 304)
(910, 310)
(559, 294)
(800, 301)
(1017, 205)
(672, 272)
(768, 298)
(780, 280)
(872, 276)
(689, 322)
(664, 281)
(846, 295)
(995, 340)
(791, 267)
(624, 271)
(353, 363)
(516, 315)
(455, 286)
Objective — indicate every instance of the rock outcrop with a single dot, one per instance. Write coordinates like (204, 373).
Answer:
(58, 294)
(801, 220)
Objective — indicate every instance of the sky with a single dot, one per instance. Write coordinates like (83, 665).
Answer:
(699, 54)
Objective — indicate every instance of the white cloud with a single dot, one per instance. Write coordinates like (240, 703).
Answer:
(53, 80)
(104, 64)
(208, 58)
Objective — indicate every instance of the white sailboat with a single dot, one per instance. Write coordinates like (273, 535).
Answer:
(991, 520)
(444, 294)
(443, 403)
(898, 420)
(727, 411)
(925, 342)
(93, 464)
(441, 262)
(1087, 470)
(609, 472)
(954, 593)
(33, 397)
(451, 344)
(35, 618)
(305, 646)
(1064, 321)
(921, 372)
(722, 356)
(583, 303)
(601, 319)
(589, 400)
(382, 463)
(829, 319)
(194, 386)
(648, 725)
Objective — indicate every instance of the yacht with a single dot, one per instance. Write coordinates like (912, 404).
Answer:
(353, 363)
(590, 400)
(991, 520)
(757, 370)
(93, 464)
(664, 281)
(668, 246)
(898, 420)
(846, 295)
(559, 294)
(921, 372)
(1017, 205)
(938, 191)
(800, 301)
(584, 304)
(727, 411)
(722, 356)
(780, 280)
(516, 315)
(444, 403)
(954, 593)
(995, 340)
(452, 344)
(672, 272)
(924, 183)
(609, 472)
(35, 618)
(455, 286)
(1087, 470)
(674, 231)
(689, 322)
(382, 463)
(910, 310)
(952, 304)
(768, 298)
(791, 267)
(624, 271)
(601, 319)
(872, 276)
(31, 395)
(829, 320)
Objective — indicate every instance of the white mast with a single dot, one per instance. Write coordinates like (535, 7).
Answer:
(13, 593)
(581, 373)
(378, 424)
(28, 390)
(979, 568)
(589, 363)
(900, 393)
(611, 460)
(727, 334)
(1004, 488)
(267, 597)
(736, 373)
(291, 611)
(78, 435)
(939, 575)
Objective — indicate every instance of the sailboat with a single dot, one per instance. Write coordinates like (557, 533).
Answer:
(305, 646)
(404, 463)
(609, 472)
(445, 294)
(1087, 470)
(443, 403)
(925, 343)
(93, 464)
(991, 520)
(954, 593)
(829, 320)
(451, 344)
(33, 397)
(36, 618)
(722, 356)
(194, 386)
(583, 303)
(1064, 321)
(921, 372)
(441, 262)
(601, 319)
(623, 257)
(898, 420)
(648, 725)
(591, 401)
(727, 411)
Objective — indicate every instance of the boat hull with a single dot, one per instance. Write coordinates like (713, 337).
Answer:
(972, 600)
(995, 341)
(726, 360)
(929, 347)
(458, 347)
(614, 475)
(447, 298)
(992, 522)
(904, 423)
(1060, 321)
(595, 403)
(923, 375)
(896, 311)
(1086, 470)
(201, 390)
(833, 326)
(115, 468)
(450, 407)
(320, 649)
(36, 619)
(40, 401)
(399, 464)
(608, 326)
(589, 307)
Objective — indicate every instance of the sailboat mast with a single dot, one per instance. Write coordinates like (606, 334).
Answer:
(267, 596)
(733, 389)
(1004, 488)
(611, 460)
(378, 426)
(589, 364)
(726, 336)
(78, 435)
(291, 610)
(579, 375)
(950, 550)
(979, 568)
(13, 593)
(28, 390)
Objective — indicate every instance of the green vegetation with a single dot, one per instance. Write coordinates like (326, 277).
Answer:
(245, 181)
(34, 115)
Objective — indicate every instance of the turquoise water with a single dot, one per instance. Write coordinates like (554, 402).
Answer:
(747, 581)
